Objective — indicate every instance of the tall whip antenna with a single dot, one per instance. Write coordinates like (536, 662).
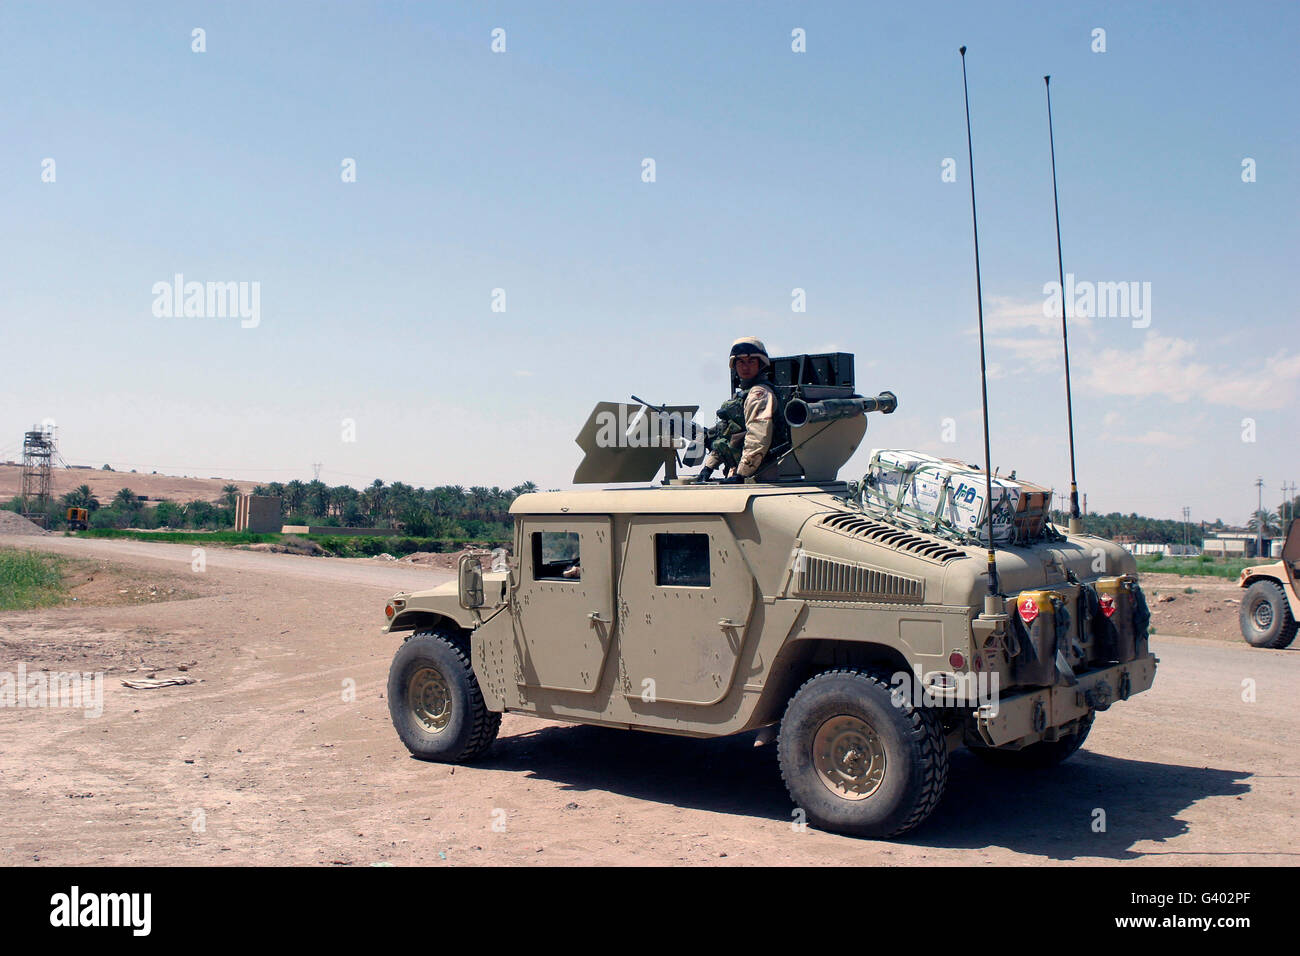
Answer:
(984, 384)
(1076, 521)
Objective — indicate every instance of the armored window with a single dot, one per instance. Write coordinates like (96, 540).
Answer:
(682, 560)
(556, 556)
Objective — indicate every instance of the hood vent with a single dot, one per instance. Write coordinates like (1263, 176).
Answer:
(856, 526)
(819, 577)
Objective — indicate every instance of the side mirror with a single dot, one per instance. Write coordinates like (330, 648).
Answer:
(469, 577)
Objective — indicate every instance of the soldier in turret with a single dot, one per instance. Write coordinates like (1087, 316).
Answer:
(743, 435)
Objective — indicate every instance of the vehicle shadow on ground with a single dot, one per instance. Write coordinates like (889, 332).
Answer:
(1047, 813)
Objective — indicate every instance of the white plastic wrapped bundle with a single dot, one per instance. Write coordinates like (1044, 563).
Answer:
(943, 494)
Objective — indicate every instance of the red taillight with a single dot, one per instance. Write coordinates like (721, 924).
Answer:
(389, 611)
(1107, 604)
(956, 660)
(1028, 610)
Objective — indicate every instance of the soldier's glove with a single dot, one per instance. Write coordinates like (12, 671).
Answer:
(732, 480)
(705, 474)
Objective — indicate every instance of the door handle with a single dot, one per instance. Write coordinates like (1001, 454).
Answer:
(595, 618)
(726, 623)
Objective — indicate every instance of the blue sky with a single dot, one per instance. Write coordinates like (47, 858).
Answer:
(521, 171)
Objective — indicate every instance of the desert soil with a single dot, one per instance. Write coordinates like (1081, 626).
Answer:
(269, 759)
(1209, 610)
(106, 484)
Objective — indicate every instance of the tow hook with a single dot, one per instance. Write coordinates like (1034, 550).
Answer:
(1099, 697)
(1125, 686)
(1040, 716)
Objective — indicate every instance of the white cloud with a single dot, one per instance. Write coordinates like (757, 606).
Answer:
(1154, 438)
(1166, 366)
(1005, 314)
(1038, 354)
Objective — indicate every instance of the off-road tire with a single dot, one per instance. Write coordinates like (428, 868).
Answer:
(470, 727)
(915, 766)
(1280, 627)
(1039, 756)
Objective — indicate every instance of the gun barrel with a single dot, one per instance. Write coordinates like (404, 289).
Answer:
(799, 413)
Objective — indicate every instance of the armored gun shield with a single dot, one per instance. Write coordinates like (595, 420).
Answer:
(622, 442)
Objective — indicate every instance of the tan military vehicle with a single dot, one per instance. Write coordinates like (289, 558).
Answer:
(708, 609)
(1270, 606)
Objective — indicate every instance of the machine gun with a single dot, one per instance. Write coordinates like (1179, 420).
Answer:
(820, 421)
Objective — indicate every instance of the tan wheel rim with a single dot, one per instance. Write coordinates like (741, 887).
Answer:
(1263, 615)
(430, 699)
(849, 757)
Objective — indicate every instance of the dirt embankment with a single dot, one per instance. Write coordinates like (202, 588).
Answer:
(13, 523)
(1194, 606)
(105, 484)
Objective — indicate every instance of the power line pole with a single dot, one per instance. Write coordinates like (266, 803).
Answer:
(1187, 529)
(1259, 522)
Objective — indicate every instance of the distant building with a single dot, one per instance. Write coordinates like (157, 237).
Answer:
(1171, 550)
(1235, 544)
(257, 513)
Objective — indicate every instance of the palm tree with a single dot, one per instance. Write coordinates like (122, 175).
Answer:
(126, 500)
(81, 497)
(293, 496)
(232, 494)
(1267, 519)
(318, 498)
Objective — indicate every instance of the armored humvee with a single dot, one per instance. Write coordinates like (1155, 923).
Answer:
(704, 609)
(1270, 607)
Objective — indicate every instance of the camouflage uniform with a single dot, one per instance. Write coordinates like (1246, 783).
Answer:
(745, 426)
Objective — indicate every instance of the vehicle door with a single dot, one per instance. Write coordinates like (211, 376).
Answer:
(685, 597)
(564, 620)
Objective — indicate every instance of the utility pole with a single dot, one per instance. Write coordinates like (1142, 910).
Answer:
(1187, 529)
(1259, 522)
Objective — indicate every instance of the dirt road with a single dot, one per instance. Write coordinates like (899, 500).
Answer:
(270, 760)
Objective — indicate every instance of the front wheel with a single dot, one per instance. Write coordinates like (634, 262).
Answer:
(1266, 619)
(858, 760)
(435, 701)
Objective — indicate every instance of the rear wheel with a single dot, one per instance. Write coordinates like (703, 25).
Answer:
(1045, 753)
(1265, 616)
(856, 763)
(435, 701)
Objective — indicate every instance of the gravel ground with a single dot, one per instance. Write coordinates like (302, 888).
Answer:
(283, 753)
(13, 523)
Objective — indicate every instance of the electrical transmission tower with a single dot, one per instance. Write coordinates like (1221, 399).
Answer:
(37, 477)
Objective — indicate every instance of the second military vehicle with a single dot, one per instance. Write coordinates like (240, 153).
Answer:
(1270, 607)
(864, 635)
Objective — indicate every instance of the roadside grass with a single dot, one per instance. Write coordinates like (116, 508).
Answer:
(29, 579)
(337, 545)
(1202, 566)
(182, 537)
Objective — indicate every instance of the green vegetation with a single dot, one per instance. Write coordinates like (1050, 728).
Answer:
(184, 537)
(29, 579)
(1145, 530)
(448, 512)
(1204, 564)
(339, 545)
